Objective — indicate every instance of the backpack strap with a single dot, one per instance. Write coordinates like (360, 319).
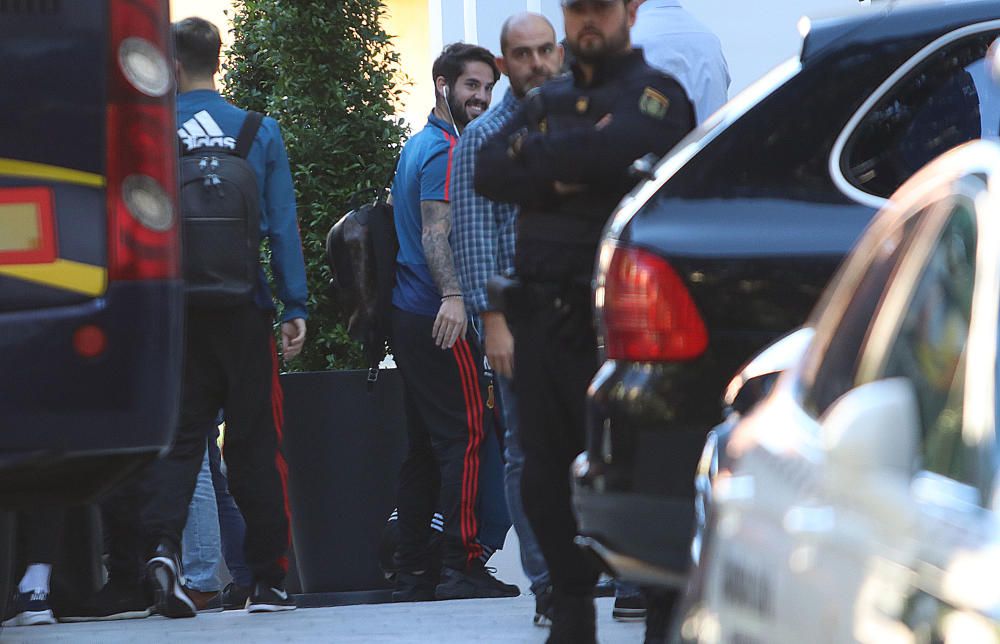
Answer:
(247, 133)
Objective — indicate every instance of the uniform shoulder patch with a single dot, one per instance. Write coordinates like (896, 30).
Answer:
(653, 103)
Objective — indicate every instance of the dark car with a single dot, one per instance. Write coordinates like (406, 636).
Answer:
(731, 242)
(91, 298)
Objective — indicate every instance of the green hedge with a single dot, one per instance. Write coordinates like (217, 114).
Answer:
(327, 71)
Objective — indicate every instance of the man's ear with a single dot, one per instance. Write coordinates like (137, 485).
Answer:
(562, 54)
(501, 64)
(632, 8)
(440, 83)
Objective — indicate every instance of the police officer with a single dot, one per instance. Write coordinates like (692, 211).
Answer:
(564, 158)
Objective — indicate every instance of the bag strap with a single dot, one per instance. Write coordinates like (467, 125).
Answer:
(247, 133)
(392, 172)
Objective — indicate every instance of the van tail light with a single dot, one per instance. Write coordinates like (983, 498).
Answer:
(141, 163)
(649, 315)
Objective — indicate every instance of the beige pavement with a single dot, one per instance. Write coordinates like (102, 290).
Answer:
(491, 621)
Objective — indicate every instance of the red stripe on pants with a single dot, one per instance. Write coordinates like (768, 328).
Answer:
(278, 412)
(470, 464)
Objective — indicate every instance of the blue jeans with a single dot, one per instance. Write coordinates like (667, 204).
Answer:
(200, 544)
(491, 507)
(231, 520)
(532, 560)
(494, 519)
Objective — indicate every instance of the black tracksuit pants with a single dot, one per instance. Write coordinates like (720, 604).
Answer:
(446, 421)
(555, 358)
(231, 364)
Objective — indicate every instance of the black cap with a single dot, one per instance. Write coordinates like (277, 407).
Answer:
(568, 3)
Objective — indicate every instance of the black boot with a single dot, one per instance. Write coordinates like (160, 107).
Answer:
(573, 619)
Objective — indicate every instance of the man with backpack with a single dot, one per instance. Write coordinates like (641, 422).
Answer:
(236, 188)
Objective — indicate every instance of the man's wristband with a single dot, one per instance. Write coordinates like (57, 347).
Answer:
(445, 297)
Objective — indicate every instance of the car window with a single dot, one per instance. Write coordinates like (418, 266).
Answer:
(929, 345)
(835, 373)
(947, 100)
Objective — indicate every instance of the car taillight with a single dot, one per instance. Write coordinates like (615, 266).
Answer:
(648, 313)
(141, 144)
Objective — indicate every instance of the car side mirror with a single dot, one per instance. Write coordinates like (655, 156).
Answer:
(755, 379)
(872, 430)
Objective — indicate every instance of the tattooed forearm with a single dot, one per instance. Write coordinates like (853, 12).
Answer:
(436, 220)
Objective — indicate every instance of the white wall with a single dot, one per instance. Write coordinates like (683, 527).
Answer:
(756, 35)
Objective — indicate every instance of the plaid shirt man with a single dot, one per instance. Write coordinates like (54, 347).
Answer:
(482, 230)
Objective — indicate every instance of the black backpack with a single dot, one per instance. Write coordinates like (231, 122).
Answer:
(361, 252)
(220, 209)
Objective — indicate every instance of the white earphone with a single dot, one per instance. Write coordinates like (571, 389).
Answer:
(447, 104)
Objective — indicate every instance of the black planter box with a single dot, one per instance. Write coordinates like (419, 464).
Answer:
(344, 446)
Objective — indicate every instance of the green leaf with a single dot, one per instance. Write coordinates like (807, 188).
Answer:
(328, 73)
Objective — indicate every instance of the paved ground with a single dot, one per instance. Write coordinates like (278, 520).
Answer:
(453, 622)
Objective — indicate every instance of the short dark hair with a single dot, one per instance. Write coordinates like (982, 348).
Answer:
(196, 46)
(452, 61)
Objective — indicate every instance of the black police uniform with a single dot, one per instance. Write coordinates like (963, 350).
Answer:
(586, 135)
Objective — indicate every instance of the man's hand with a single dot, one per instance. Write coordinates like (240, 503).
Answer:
(499, 343)
(450, 323)
(293, 336)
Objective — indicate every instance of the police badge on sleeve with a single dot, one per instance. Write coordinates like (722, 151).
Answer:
(653, 104)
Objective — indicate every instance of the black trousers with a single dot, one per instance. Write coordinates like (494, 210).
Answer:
(124, 539)
(555, 358)
(230, 363)
(40, 533)
(446, 420)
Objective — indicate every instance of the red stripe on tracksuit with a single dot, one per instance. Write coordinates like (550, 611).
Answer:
(278, 412)
(452, 141)
(470, 466)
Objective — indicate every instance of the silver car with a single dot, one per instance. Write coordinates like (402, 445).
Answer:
(858, 501)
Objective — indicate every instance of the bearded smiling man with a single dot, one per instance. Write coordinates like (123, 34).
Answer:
(441, 364)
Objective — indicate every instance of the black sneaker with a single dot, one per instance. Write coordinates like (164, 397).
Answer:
(234, 596)
(116, 600)
(573, 620)
(31, 609)
(163, 571)
(265, 598)
(543, 607)
(414, 587)
(475, 581)
(629, 608)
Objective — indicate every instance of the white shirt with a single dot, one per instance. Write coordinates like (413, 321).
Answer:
(681, 46)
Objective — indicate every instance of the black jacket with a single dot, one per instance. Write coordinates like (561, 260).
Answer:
(584, 134)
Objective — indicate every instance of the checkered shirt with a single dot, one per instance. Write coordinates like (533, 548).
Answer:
(482, 230)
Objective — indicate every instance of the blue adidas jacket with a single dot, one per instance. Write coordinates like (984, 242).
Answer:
(203, 115)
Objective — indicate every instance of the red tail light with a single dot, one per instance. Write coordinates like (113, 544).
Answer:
(648, 313)
(141, 144)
